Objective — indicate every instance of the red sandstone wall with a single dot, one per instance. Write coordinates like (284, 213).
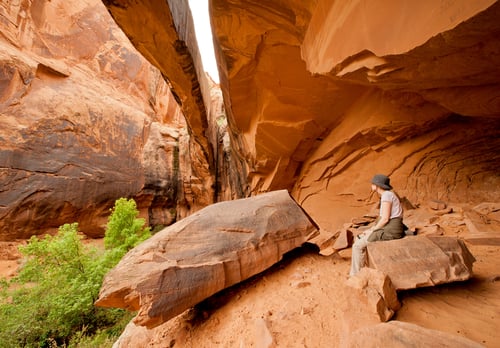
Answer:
(85, 120)
(324, 94)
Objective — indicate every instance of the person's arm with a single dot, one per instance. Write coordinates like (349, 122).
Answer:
(385, 214)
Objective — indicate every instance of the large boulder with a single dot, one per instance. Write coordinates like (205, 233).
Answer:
(204, 253)
(414, 262)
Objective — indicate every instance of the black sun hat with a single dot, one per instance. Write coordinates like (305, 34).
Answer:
(382, 181)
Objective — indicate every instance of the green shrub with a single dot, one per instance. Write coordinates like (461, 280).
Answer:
(125, 229)
(51, 301)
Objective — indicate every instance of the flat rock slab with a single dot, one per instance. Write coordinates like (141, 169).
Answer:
(483, 225)
(414, 262)
(398, 334)
(215, 248)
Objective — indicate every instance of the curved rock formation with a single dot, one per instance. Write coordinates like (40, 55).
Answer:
(342, 90)
(320, 95)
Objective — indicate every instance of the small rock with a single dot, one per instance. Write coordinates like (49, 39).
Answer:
(431, 230)
(437, 205)
(306, 310)
(444, 211)
(344, 240)
(300, 284)
(363, 221)
(369, 298)
(324, 241)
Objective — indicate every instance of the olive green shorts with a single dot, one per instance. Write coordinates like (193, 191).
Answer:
(394, 229)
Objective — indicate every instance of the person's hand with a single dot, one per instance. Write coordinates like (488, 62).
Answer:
(362, 235)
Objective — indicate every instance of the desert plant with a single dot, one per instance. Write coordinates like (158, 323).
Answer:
(51, 301)
(125, 229)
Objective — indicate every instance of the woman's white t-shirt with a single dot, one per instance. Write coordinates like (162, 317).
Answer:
(396, 209)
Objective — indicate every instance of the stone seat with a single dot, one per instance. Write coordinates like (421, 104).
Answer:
(420, 261)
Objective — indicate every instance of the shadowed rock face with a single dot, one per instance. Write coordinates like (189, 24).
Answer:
(83, 123)
(164, 34)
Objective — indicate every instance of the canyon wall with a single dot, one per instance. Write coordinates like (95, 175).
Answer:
(87, 120)
(320, 95)
(164, 33)
(324, 94)
(427, 114)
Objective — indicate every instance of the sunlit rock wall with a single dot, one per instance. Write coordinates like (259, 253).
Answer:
(85, 119)
(324, 94)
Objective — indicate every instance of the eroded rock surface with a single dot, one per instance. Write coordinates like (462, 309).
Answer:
(320, 95)
(86, 120)
(399, 334)
(369, 298)
(204, 253)
(311, 110)
(337, 95)
(413, 262)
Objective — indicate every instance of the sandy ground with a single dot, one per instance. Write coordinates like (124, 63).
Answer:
(9, 258)
(297, 303)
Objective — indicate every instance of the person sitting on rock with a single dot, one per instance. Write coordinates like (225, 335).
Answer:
(388, 226)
